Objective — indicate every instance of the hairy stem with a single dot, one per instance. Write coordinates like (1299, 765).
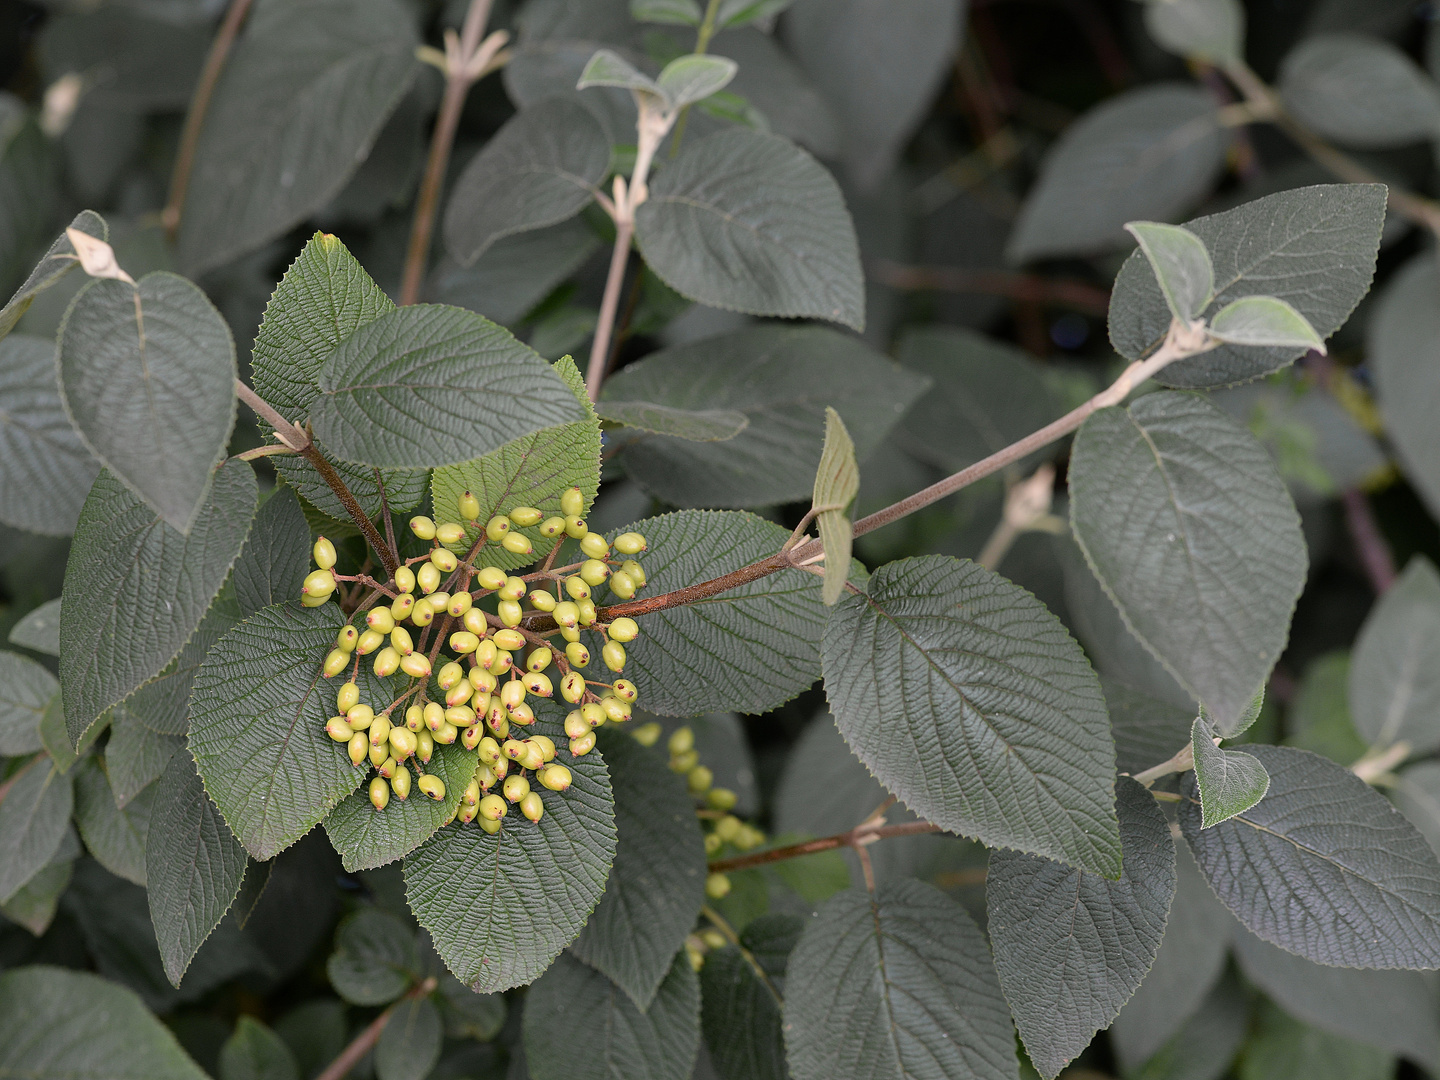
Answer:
(1183, 761)
(292, 436)
(609, 305)
(857, 838)
(363, 1043)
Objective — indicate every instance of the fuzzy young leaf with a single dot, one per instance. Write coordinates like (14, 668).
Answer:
(1353, 883)
(255, 1052)
(276, 557)
(688, 79)
(25, 689)
(976, 707)
(375, 958)
(147, 374)
(115, 836)
(748, 221)
(297, 109)
(409, 1046)
(656, 886)
(431, 385)
(694, 425)
(1395, 676)
(137, 588)
(543, 167)
(33, 820)
(58, 261)
(1210, 30)
(1312, 247)
(1070, 946)
(1264, 321)
(1360, 91)
(894, 986)
(45, 469)
(1181, 265)
(659, 1043)
(837, 482)
(606, 68)
(1184, 520)
(667, 12)
(40, 629)
(1229, 782)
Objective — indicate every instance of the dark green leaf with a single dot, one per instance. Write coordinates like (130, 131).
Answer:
(469, 1015)
(1319, 717)
(409, 1046)
(1395, 676)
(28, 183)
(657, 1044)
(301, 100)
(56, 739)
(657, 884)
(257, 726)
(689, 79)
(1282, 1048)
(45, 470)
(1205, 1047)
(40, 629)
(1359, 91)
(34, 906)
(515, 273)
(194, 866)
(1147, 730)
(1229, 782)
(276, 556)
(25, 689)
(1416, 793)
(56, 1024)
(541, 168)
(781, 378)
(375, 958)
(1313, 247)
(431, 385)
(116, 837)
(1323, 866)
(255, 1052)
(970, 701)
(1403, 346)
(1184, 520)
(899, 985)
(58, 261)
(316, 1033)
(1070, 946)
(748, 221)
(696, 425)
(139, 588)
(741, 1017)
(147, 374)
(129, 60)
(775, 84)
(33, 820)
(671, 12)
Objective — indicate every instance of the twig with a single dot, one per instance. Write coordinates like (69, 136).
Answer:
(1377, 763)
(363, 1043)
(609, 303)
(199, 106)
(720, 923)
(1078, 295)
(385, 516)
(1370, 543)
(293, 437)
(858, 837)
(1182, 761)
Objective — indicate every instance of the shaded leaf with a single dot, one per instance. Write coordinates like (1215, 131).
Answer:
(1229, 782)
(33, 820)
(25, 689)
(1181, 265)
(695, 425)
(375, 958)
(56, 263)
(1147, 730)
(115, 836)
(39, 629)
(608, 68)
(689, 79)
(1206, 1046)
(1212, 30)
(741, 1018)
(34, 906)
(515, 273)
(1360, 91)
(1319, 717)
(1395, 675)
(409, 1046)
(276, 556)
(1282, 1048)
(254, 1052)
(670, 12)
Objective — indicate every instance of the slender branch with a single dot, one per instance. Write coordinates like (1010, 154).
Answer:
(393, 547)
(720, 923)
(1182, 761)
(293, 437)
(363, 1043)
(1079, 295)
(609, 304)
(857, 837)
(199, 106)
(1370, 543)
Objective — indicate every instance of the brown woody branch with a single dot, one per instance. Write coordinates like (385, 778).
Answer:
(857, 838)
(363, 1043)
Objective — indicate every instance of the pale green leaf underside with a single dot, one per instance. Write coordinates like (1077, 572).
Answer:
(1360, 91)
(1181, 265)
(1211, 30)
(39, 629)
(688, 79)
(1229, 781)
(837, 482)
(1265, 321)
(56, 263)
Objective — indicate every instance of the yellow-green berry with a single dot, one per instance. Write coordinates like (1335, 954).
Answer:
(468, 505)
(492, 807)
(517, 543)
(463, 642)
(432, 786)
(422, 527)
(387, 662)
(446, 734)
(721, 798)
(347, 697)
(555, 777)
(400, 783)
(515, 788)
(379, 793)
(401, 641)
(566, 614)
(572, 502)
(510, 612)
(625, 690)
(623, 629)
(588, 613)
(583, 745)
(614, 655)
(593, 713)
(324, 553)
(347, 638)
(593, 572)
(525, 516)
(630, 543)
(336, 661)
(497, 528)
(491, 577)
(474, 621)
(359, 748)
(594, 545)
(360, 716)
(459, 604)
(319, 583)
(402, 743)
(339, 730)
(428, 576)
(572, 687)
(575, 526)
(414, 718)
(537, 683)
(542, 600)
(622, 585)
(509, 640)
(306, 600)
(416, 665)
(380, 731)
(616, 711)
(552, 526)
(404, 580)
(444, 560)
(577, 588)
(636, 572)
(700, 778)
(532, 806)
(717, 886)
(647, 734)
(450, 533)
(401, 607)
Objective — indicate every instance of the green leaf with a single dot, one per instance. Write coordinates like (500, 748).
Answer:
(276, 556)
(533, 470)
(1264, 321)
(1312, 247)
(782, 379)
(194, 866)
(56, 1024)
(464, 885)
(409, 1045)
(25, 689)
(516, 273)
(837, 482)
(469, 1015)
(28, 184)
(543, 167)
(657, 884)
(747, 221)
(1205, 1047)
(695, 425)
(366, 839)
(1209, 30)
(1229, 782)
(733, 13)
(667, 12)
(1395, 676)
(138, 588)
(147, 374)
(56, 739)
(1318, 718)
(1282, 1048)
(607, 68)
(1403, 346)
(33, 820)
(748, 649)
(254, 1052)
(1147, 730)
(1359, 91)
(115, 836)
(657, 1044)
(1353, 883)
(431, 385)
(1148, 153)
(58, 261)
(688, 79)
(976, 708)
(40, 629)
(1185, 522)
(45, 470)
(299, 105)
(909, 962)
(375, 958)
(34, 906)
(136, 754)
(771, 82)
(741, 1017)
(1071, 947)
(1181, 264)
(257, 725)
(130, 61)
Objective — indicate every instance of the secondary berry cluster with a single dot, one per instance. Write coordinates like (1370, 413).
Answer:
(477, 693)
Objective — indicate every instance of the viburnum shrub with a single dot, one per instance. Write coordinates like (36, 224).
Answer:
(393, 678)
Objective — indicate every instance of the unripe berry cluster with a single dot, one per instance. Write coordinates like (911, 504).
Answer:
(478, 695)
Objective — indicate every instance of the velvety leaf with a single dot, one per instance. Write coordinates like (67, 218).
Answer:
(298, 106)
(375, 958)
(254, 1052)
(1229, 782)
(543, 167)
(1212, 30)
(257, 726)
(56, 1023)
(696, 425)
(1319, 716)
(1323, 866)
(1147, 730)
(35, 904)
(1183, 519)
(657, 884)
(741, 1019)
(1395, 676)
(464, 884)
(194, 866)
(25, 689)
(1070, 946)
(1283, 1048)
(276, 556)
(39, 629)
(56, 263)
(837, 482)
(409, 1046)
(659, 1043)
(1181, 265)
(897, 985)
(1264, 321)
(781, 379)
(1360, 91)
(139, 588)
(45, 470)
(975, 706)
(747, 221)
(1205, 1047)
(431, 385)
(608, 68)
(33, 820)
(515, 273)
(56, 739)
(1148, 153)
(693, 78)
(1312, 247)
(136, 754)
(115, 836)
